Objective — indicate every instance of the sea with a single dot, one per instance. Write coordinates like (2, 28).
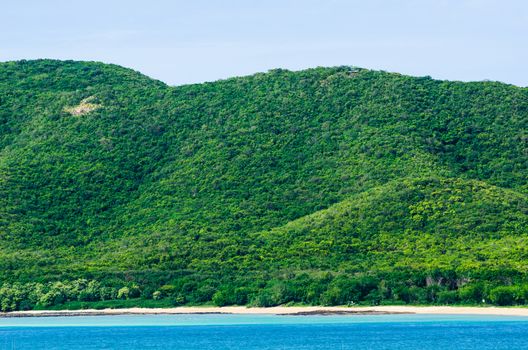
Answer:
(221, 331)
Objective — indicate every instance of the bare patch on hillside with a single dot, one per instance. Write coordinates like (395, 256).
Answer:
(84, 107)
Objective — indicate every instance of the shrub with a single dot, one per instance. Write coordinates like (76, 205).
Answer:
(123, 293)
(504, 295)
(447, 297)
(472, 293)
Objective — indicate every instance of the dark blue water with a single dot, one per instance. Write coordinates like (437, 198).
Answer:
(265, 332)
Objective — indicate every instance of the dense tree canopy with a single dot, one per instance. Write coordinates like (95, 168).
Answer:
(323, 186)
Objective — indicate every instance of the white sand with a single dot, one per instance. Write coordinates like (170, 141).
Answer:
(281, 310)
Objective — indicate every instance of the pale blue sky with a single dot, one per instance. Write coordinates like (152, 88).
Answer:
(202, 40)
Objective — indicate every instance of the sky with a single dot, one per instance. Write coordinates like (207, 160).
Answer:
(192, 41)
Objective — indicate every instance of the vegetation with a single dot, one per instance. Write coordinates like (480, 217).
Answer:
(325, 186)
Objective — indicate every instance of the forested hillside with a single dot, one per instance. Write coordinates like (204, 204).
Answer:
(324, 186)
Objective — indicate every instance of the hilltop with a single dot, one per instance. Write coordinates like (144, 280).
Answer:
(322, 186)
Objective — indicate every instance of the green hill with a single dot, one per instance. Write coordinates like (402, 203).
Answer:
(324, 186)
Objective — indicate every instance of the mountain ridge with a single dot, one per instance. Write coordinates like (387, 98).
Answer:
(180, 182)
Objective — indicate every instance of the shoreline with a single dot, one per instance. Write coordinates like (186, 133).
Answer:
(281, 310)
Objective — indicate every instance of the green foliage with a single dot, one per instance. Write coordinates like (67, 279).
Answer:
(157, 295)
(18, 296)
(505, 295)
(448, 297)
(325, 186)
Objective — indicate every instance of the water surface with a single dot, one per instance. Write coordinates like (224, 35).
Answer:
(264, 332)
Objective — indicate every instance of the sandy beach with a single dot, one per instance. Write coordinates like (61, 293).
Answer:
(283, 310)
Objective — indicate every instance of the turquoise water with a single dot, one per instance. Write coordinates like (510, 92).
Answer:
(264, 332)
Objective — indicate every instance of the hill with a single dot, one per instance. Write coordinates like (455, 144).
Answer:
(324, 186)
